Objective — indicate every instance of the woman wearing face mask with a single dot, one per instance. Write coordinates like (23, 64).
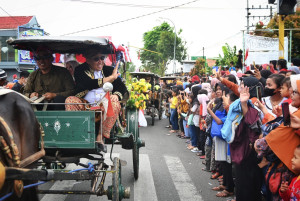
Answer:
(272, 92)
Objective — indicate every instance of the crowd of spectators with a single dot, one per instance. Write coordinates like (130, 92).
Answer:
(245, 128)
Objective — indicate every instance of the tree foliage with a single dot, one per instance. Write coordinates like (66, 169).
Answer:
(199, 68)
(161, 40)
(130, 67)
(229, 54)
(290, 22)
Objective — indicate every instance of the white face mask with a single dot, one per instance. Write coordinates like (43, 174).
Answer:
(188, 101)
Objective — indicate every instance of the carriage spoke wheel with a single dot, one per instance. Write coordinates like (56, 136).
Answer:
(136, 160)
(116, 191)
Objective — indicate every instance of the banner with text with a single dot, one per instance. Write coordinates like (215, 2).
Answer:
(261, 49)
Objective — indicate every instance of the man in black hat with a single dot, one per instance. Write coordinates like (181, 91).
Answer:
(3, 77)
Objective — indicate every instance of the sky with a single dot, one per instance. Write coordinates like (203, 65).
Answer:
(204, 23)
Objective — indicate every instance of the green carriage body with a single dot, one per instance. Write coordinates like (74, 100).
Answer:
(68, 129)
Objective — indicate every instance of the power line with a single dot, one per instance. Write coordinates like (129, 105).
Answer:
(133, 18)
(9, 15)
(143, 6)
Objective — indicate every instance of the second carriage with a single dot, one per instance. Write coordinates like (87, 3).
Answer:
(154, 106)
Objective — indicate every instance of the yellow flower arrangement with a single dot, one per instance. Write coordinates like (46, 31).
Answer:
(138, 94)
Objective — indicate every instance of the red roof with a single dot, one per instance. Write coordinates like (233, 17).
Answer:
(12, 22)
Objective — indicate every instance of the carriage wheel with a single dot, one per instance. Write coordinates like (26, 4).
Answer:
(117, 192)
(153, 115)
(116, 179)
(136, 160)
(160, 113)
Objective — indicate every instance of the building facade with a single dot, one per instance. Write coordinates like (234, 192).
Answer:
(9, 57)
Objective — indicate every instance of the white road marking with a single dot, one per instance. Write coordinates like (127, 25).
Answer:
(144, 188)
(182, 181)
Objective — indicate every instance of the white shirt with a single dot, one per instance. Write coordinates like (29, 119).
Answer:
(269, 104)
(95, 96)
(196, 117)
(187, 90)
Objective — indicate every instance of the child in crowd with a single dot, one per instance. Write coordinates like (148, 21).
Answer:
(292, 191)
(174, 116)
(190, 124)
(182, 109)
(285, 89)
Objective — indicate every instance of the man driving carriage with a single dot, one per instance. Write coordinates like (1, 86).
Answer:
(90, 78)
(50, 81)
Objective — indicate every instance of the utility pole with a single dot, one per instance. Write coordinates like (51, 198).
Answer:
(257, 16)
(281, 36)
(248, 14)
(203, 52)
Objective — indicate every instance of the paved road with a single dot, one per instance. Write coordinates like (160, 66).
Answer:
(168, 172)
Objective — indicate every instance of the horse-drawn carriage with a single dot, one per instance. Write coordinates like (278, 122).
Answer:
(60, 137)
(153, 103)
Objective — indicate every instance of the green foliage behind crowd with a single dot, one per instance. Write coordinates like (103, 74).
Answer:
(160, 42)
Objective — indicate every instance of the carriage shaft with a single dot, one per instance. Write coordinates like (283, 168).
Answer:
(45, 175)
(77, 192)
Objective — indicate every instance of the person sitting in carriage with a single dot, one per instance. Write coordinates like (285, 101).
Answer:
(52, 82)
(90, 78)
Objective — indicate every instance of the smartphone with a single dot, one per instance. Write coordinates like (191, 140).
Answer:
(286, 114)
(258, 93)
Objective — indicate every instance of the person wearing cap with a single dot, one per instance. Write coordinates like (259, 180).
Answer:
(15, 78)
(53, 82)
(3, 77)
(19, 85)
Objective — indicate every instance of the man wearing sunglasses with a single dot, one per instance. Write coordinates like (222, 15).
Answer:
(89, 78)
(52, 82)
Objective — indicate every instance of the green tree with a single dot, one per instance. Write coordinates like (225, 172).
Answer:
(199, 68)
(290, 22)
(130, 67)
(160, 42)
(208, 70)
(229, 54)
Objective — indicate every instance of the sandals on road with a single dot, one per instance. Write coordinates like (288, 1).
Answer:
(224, 194)
(218, 188)
(214, 176)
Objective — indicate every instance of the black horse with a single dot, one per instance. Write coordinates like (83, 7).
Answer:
(20, 118)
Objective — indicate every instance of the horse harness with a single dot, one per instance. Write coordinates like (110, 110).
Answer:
(11, 151)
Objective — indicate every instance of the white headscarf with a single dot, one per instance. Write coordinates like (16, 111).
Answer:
(207, 87)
